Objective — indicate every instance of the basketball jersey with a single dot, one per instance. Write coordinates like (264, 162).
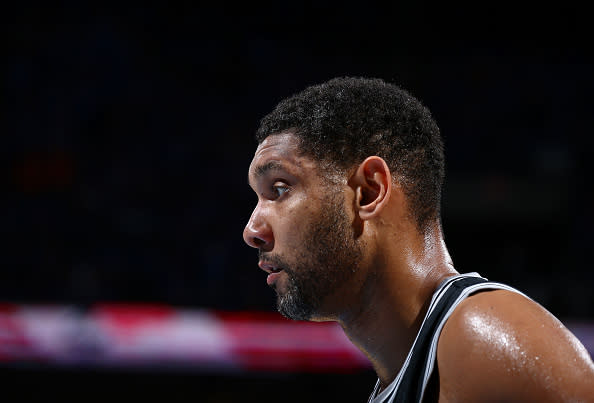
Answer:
(411, 382)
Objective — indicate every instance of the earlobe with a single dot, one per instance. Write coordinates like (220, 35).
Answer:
(373, 186)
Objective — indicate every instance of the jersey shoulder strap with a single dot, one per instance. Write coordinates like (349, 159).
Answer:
(411, 382)
(418, 371)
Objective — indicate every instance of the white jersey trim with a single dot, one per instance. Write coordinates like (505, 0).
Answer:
(389, 391)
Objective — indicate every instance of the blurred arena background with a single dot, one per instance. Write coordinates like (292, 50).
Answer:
(126, 137)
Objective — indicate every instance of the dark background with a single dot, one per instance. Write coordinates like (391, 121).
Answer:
(127, 133)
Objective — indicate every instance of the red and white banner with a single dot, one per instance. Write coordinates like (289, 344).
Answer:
(155, 335)
(136, 335)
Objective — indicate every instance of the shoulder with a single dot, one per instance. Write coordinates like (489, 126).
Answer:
(499, 345)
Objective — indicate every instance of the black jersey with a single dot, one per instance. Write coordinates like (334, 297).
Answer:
(411, 382)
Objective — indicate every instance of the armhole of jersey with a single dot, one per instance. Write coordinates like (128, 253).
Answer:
(374, 393)
(388, 393)
(487, 286)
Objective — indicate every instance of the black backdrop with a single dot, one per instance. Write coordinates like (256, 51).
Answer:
(127, 132)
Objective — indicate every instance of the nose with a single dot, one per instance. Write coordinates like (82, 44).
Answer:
(258, 233)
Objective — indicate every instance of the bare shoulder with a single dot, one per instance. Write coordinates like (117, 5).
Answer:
(501, 346)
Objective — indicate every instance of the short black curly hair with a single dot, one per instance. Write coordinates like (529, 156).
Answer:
(347, 119)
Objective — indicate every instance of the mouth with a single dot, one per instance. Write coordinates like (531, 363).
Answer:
(273, 272)
(269, 268)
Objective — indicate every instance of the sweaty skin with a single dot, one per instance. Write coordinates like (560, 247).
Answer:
(497, 345)
(500, 346)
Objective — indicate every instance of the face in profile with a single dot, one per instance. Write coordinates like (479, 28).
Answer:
(301, 229)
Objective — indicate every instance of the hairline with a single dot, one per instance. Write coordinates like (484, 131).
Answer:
(327, 169)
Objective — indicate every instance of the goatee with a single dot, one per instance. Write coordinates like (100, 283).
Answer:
(329, 258)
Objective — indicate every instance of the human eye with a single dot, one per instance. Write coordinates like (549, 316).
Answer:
(279, 189)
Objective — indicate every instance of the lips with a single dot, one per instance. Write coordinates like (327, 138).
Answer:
(273, 271)
(268, 267)
(272, 277)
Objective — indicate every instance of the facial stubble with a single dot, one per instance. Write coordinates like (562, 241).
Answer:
(328, 258)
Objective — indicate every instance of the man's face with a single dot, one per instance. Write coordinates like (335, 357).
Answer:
(301, 229)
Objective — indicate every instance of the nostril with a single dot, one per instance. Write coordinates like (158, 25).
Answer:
(261, 243)
(257, 233)
(258, 242)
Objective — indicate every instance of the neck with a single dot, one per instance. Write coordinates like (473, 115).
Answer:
(394, 300)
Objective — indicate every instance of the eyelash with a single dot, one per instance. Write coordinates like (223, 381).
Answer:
(275, 189)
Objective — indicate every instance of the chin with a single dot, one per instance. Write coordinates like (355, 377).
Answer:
(322, 318)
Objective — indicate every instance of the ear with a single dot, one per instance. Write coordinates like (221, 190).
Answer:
(372, 183)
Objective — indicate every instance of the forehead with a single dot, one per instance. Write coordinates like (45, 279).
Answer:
(279, 152)
(283, 145)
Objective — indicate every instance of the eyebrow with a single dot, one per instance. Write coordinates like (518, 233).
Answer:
(263, 169)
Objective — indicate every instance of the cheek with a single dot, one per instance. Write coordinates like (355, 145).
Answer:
(296, 222)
